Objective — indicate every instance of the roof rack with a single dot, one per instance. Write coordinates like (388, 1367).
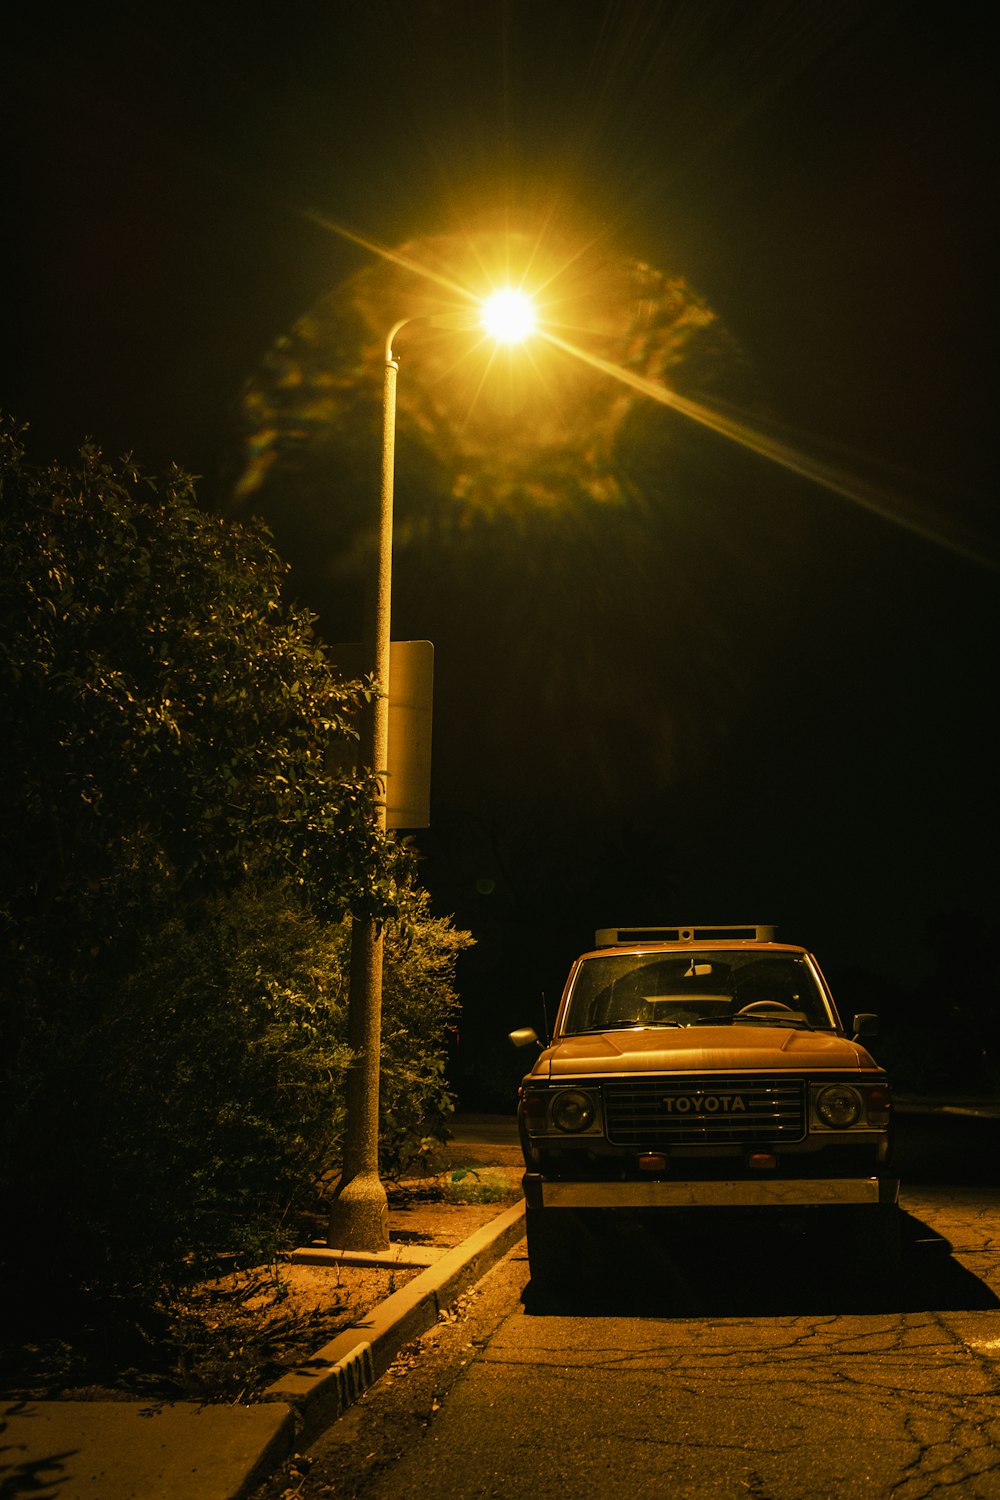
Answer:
(612, 937)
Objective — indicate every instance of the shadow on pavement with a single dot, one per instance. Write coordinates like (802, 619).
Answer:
(728, 1266)
(23, 1474)
(770, 1273)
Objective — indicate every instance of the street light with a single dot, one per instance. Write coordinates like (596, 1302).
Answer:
(359, 1215)
(509, 315)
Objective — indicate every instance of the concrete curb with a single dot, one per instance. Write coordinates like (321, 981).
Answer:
(320, 1389)
(401, 1257)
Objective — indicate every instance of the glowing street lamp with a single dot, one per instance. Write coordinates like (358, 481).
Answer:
(509, 315)
(359, 1215)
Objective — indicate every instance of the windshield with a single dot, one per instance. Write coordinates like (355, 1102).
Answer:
(701, 988)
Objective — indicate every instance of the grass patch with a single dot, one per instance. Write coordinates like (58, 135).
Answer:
(479, 1185)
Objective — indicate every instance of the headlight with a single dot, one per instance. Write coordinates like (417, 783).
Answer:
(572, 1110)
(839, 1106)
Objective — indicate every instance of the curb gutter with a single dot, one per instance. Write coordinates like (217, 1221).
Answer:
(320, 1389)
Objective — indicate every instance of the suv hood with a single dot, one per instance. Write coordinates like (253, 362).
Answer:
(716, 1049)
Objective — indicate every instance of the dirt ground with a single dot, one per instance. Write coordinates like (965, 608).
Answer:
(232, 1338)
(421, 1212)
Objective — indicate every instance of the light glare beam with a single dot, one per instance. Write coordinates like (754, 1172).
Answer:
(869, 497)
(392, 256)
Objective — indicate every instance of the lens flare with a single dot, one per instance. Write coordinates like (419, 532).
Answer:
(509, 316)
(628, 333)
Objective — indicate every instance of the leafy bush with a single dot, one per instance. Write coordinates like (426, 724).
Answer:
(204, 1102)
(167, 715)
(176, 863)
(420, 1009)
(185, 1104)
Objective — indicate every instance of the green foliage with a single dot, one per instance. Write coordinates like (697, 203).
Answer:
(419, 1010)
(167, 715)
(202, 1104)
(176, 863)
(192, 1105)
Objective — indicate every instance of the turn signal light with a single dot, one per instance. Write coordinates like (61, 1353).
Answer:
(533, 1104)
(762, 1161)
(652, 1161)
(879, 1104)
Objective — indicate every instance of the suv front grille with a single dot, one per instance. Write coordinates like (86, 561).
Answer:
(647, 1112)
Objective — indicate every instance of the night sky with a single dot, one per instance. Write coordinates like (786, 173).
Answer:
(736, 694)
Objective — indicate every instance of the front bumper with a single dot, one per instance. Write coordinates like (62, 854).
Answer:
(764, 1192)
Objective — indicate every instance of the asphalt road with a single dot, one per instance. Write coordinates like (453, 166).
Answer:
(718, 1366)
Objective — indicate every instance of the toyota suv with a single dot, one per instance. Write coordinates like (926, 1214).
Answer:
(694, 1069)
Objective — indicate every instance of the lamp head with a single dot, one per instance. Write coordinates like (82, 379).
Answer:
(508, 315)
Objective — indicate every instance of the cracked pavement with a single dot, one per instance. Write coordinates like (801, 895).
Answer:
(721, 1364)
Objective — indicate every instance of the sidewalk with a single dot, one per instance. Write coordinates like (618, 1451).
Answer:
(979, 1107)
(140, 1450)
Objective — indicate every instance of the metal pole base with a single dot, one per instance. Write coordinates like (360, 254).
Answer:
(359, 1215)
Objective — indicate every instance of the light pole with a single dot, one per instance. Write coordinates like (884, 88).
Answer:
(359, 1215)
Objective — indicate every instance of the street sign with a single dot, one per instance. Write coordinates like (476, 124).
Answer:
(411, 687)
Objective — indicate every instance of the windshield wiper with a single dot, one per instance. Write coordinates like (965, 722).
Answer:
(622, 1026)
(798, 1022)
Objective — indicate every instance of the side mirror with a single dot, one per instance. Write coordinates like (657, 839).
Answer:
(524, 1036)
(864, 1024)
